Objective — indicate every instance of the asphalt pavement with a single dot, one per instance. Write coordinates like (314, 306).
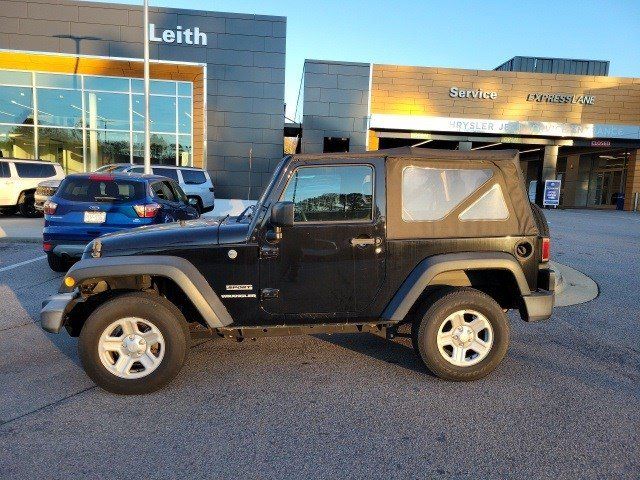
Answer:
(563, 404)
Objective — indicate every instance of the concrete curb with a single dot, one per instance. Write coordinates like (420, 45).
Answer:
(573, 287)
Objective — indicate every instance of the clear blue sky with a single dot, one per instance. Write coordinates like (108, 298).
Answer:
(450, 33)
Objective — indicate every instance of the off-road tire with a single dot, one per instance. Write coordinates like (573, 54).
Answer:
(442, 304)
(57, 263)
(541, 220)
(27, 207)
(159, 311)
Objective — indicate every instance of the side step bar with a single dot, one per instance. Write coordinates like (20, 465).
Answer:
(384, 329)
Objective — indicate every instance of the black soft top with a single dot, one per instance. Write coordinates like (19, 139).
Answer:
(505, 168)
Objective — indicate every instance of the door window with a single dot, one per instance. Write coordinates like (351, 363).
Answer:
(35, 170)
(193, 177)
(5, 172)
(178, 192)
(162, 191)
(332, 193)
(171, 173)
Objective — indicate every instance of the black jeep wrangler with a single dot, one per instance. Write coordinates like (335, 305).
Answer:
(445, 241)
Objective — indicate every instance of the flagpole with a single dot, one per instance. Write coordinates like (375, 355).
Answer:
(147, 134)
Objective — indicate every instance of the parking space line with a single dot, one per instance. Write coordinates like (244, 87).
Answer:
(26, 262)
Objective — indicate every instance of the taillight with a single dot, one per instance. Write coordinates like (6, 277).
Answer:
(546, 249)
(147, 211)
(101, 177)
(47, 246)
(49, 207)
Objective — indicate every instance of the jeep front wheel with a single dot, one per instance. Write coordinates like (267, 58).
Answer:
(463, 334)
(134, 343)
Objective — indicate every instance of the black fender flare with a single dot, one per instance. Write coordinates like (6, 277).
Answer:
(424, 273)
(178, 269)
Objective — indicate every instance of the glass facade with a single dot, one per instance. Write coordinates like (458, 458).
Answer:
(86, 121)
(606, 177)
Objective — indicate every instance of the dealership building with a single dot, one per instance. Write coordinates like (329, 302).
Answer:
(71, 92)
(568, 119)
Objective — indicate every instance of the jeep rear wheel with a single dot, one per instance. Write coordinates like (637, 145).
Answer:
(463, 334)
(134, 343)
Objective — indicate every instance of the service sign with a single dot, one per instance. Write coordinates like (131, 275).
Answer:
(551, 193)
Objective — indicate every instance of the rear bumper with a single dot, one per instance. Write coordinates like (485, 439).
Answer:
(39, 201)
(538, 305)
(54, 309)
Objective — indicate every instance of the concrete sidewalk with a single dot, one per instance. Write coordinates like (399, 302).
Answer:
(21, 229)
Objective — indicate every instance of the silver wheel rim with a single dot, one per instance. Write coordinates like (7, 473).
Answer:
(465, 338)
(131, 347)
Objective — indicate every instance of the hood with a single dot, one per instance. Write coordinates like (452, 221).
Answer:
(155, 238)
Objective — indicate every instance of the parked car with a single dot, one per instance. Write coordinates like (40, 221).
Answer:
(18, 182)
(88, 205)
(195, 182)
(44, 191)
(442, 242)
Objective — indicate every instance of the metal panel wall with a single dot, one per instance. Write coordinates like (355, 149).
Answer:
(245, 58)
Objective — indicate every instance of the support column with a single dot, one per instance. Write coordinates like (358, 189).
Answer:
(548, 170)
(570, 181)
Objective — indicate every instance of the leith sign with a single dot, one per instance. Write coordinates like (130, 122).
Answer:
(186, 36)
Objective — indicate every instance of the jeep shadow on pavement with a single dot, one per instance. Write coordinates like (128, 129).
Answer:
(445, 241)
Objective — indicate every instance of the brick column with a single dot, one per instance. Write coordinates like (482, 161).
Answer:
(548, 172)
(632, 184)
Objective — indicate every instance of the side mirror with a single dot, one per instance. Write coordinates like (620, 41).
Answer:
(282, 214)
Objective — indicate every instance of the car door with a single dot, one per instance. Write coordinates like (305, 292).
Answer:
(163, 194)
(7, 195)
(331, 262)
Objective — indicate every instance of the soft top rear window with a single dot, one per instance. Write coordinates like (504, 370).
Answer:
(110, 191)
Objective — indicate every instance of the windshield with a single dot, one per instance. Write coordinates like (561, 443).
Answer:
(260, 206)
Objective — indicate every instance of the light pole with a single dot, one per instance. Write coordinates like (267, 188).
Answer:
(147, 134)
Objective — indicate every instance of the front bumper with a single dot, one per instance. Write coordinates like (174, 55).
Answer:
(54, 310)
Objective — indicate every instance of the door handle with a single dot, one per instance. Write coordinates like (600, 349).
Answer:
(361, 242)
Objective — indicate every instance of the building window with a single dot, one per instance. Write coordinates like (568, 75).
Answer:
(107, 147)
(85, 121)
(17, 141)
(16, 105)
(62, 145)
(335, 145)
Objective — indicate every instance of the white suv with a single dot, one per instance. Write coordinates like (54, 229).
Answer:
(18, 182)
(195, 182)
